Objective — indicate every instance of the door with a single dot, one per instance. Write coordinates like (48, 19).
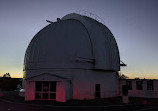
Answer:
(124, 90)
(97, 91)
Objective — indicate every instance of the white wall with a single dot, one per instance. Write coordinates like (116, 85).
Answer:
(84, 84)
(80, 83)
(141, 93)
(63, 91)
(60, 91)
(62, 87)
(30, 91)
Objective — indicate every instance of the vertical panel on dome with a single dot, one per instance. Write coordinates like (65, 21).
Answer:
(105, 49)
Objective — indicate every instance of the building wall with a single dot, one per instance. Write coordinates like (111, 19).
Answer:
(79, 84)
(134, 92)
(30, 91)
(84, 84)
(62, 87)
(60, 91)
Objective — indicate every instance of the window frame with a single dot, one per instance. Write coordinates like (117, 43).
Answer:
(129, 84)
(150, 85)
(42, 92)
(139, 85)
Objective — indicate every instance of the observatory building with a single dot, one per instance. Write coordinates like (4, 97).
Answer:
(75, 57)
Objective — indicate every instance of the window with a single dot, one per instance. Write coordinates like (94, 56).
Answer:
(52, 95)
(150, 85)
(38, 86)
(38, 96)
(125, 90)
(139, 85)
(129, 85)
(45, 90)
(45, 86)
(97, 91)
(53, 86)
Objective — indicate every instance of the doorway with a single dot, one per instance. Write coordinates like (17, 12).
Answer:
(97, 91)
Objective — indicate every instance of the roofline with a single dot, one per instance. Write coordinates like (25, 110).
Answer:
(47, 74)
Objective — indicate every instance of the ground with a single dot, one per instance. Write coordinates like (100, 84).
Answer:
(9, 101)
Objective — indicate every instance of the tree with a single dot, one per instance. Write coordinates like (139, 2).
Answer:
(122, 76)
(7, 75)
(137, 78)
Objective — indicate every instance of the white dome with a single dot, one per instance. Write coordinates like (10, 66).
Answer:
(75, 41)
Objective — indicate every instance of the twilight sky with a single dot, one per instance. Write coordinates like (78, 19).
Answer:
(134, 24)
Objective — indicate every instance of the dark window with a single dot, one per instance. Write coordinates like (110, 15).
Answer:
(52, 86)
(45, 86)
(45, 90)
(45, 95)
(125, 90)
(129, 85)
(150, 85)
(97, 90)
(139, 85)
(38, 96)
(52, 95)
(38, 86)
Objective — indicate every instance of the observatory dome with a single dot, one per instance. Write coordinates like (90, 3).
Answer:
(75, 41)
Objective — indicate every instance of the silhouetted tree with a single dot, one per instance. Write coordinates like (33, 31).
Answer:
(122, 76)
(137, 78)
(7, 75)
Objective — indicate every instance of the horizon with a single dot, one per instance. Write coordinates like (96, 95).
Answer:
(133, 24)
